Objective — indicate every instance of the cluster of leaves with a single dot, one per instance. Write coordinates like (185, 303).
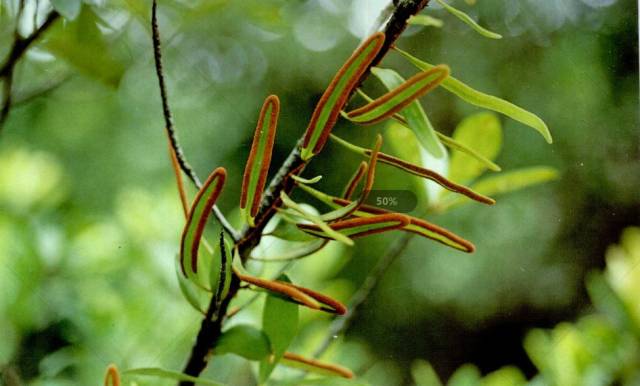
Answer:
(600, 348)
(210, 270)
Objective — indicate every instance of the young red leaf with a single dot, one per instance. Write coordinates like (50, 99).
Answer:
(112, 377)
(398, 98)
(354, 181)
(314, 365)
(257, 167)
(335, 96)
(197, 219)
(361, 226)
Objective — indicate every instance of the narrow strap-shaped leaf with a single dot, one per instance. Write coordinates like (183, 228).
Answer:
(308, 181)
(314, 219)
(224, 277)
(294, 253)
(335, 96)
(112, 376)
(354, 180)
(361, 226)
(486, 101)
(426, 20)
(469, 21)
(507, 182)
(446, 140)
(395, 100)
(197, 219)
(414, 114)
(313, 365)
(257, 167)
(418, 171)
(168, 374)
(300, 295)
(416, 225)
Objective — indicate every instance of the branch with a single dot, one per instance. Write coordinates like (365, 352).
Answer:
(19, 47)
(168, 119)
(341, 323)
(210, 331)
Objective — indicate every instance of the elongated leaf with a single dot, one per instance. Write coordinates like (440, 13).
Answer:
(334, 98)
(418, 171)
(424, 375)
(286, 228)
(469, 21)
(461, 147)
(280, 323)
(416, 225)
(191, 292)
(257, 167)
(426, 20)
(486, 101)
(315, 366)
(354, 180)
(360, 227)
(482, 131)
(308, 181)
(220, 271)
(399, 97)
(112, 376)
(295, 253)
(414, 114)
(168, 374)
(314, 219)
(246, 341)
(197, 219)
(508, 182)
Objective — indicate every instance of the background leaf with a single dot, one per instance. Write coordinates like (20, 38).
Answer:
(168, 374)
(70, 9)
(246, 341)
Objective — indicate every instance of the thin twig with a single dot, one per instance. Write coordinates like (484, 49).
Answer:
(168, 118)
(341, 323)
(19, 47)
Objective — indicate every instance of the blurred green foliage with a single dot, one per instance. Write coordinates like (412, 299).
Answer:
(90, 220)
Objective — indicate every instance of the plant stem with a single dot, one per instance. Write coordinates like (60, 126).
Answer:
(249, 238)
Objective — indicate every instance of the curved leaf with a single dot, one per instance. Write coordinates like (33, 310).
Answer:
(361, 226)
(315, 366)
(306, 249)
(191, 292)
(335, 96)
(486, 101)
(426, 20)
(418, 171)
(469, 21)
(197, 219)
(354, 180)
(398, 98)
(246, 341)
(414, 114)
(257, 167)
(112, 377)
(168, 374)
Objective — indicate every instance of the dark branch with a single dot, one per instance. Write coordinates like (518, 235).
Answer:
(168, 120)
(19, 47)
(250, 237)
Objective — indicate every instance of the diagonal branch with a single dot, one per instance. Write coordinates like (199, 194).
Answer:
(210, 330)
(18, 49)
(168, 118)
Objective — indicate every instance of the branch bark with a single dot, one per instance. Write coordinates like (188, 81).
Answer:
(18, 49)
(249, 238)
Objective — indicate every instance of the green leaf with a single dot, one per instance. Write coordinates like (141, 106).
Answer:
(363, 226)
(257, 167)
(81, 44)
(280, 324)
(286, 229)
(246, 341)
(606, 300)
(69, 9)
(288, 202)
(453, 144)
(469, 21)
(190, 290)
(423, 374)
(334, 98)
(466, 375)
(197, 219)
(486, 101)
(399, 97)
(506, 182)
(426, 20)
(483, 132)
(328, 381)
(168, 374)
(295, 253)
(414, 114)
